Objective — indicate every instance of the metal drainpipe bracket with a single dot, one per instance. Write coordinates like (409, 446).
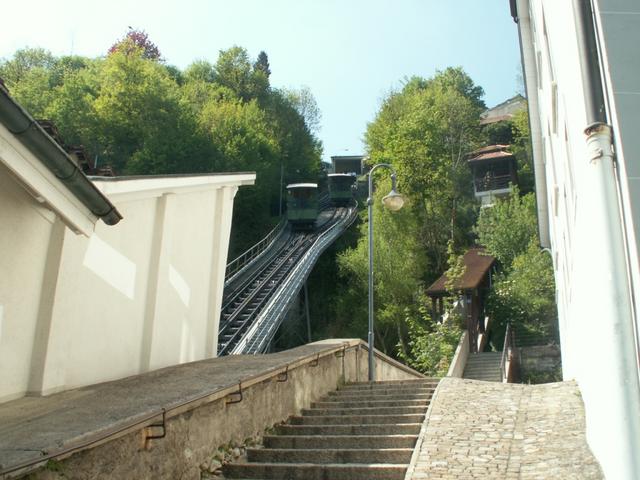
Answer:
(162, 425)
(315, 361)
(283, 376)
(239, 393)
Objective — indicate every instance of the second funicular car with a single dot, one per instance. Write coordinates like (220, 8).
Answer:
(341, 188)
(302, 204)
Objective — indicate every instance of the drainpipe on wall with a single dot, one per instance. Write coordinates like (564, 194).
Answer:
(520, 13)
(607, 221)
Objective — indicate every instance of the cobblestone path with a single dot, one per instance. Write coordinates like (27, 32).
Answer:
(504, 431)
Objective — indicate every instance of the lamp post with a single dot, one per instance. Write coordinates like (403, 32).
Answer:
(393, 201)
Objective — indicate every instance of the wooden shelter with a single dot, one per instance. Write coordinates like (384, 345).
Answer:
(494, 171)
(472, 288)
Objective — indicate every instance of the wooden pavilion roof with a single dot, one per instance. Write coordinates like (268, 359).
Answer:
(477, 263)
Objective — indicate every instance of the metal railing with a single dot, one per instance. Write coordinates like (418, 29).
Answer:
(247, 257)
(258, 337)
(506, 352)
(493, 182)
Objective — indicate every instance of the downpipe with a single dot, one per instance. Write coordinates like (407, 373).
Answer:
(615, 294)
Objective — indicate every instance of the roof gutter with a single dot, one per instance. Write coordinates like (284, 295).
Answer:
(32, 135)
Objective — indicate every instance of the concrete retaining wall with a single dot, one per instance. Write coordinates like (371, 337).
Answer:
(195, 431)
(459, 361)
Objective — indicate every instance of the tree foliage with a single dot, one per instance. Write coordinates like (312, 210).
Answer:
(136, 42)
(523, 292)
(507, 228)
(424, 130)
(140, 116)
(431, 344)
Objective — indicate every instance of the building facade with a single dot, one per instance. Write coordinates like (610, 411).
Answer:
(84, 301)
(582, 75)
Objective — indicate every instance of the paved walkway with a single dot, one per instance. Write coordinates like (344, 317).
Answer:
(485, 430)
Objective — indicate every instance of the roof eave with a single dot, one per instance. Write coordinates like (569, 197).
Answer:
(22, 125)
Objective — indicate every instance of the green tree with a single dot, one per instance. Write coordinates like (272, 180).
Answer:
(524, 295)
(499, 133)
(23, 62)
(431, 344)
(200, 70)
(398, 264)
(234, 71)
(507, 228)
(137, 42)
(305, 104)
(521, 147)
(425, 130)
(262, 64)
(140, 116)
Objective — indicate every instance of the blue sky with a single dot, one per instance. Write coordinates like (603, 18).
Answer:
(350, 53)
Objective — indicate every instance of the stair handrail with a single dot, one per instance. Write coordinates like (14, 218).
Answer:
(245, 258)
(506, 352)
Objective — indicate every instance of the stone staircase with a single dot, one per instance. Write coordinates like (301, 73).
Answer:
(484, 366)
(362, 431)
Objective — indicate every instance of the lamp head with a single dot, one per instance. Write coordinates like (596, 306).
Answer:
(394, 201)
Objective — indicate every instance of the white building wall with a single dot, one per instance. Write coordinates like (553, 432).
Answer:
(587, 235)
(141, 295)
(25, 229)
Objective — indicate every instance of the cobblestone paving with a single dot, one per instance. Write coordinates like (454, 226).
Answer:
(504, 431)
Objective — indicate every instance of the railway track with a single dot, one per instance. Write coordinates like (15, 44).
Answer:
(242, 306)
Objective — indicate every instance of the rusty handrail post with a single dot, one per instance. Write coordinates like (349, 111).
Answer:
(508, 340)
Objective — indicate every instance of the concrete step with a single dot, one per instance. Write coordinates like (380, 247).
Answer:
(398, 382)
(362, 390)
(306, 471)
(484, 378)
(340, 441)
(363, 431)
(388, 386)
(334, 455)
(341, 396)
(339, 430)
(484, 366)
(364, 411)
(480, 371)
(356, 419)
(367, 403)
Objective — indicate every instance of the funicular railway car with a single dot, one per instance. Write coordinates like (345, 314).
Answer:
(302, 205)
(341, 188)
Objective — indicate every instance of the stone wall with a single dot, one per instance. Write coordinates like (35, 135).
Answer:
(205, 412)
(540, 364)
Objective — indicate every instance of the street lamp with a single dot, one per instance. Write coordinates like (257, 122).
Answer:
(394, 202)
